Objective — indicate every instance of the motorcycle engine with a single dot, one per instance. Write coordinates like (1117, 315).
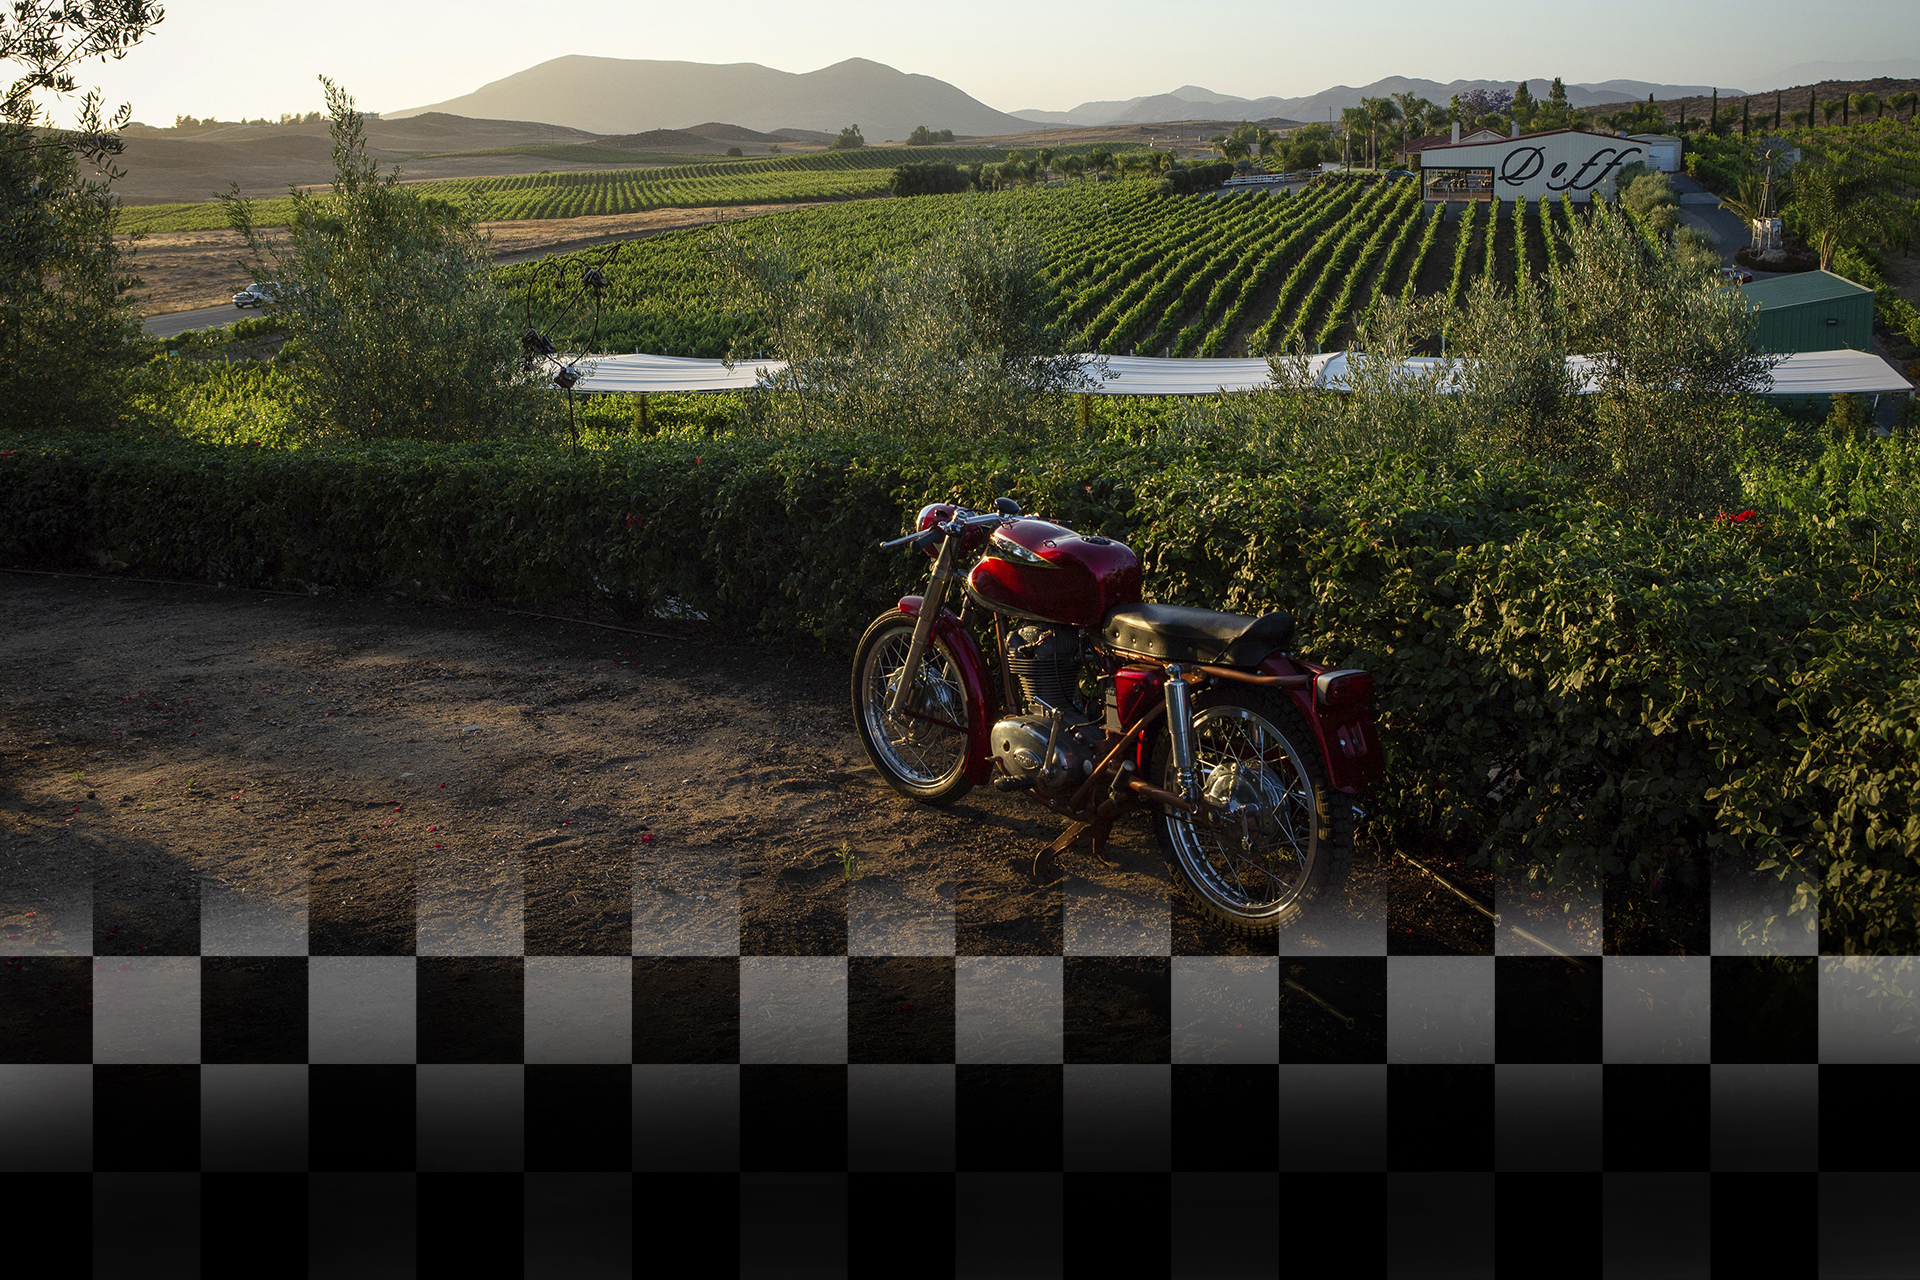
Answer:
(1046, 662)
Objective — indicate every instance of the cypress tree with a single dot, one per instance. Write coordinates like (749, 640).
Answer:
(1812, 112)
(1746, 115)
(1776, 110)
(1713, 114)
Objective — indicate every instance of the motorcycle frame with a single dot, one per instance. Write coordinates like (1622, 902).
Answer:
(1299, 681)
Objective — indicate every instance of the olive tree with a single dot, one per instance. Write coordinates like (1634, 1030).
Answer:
(67, 319)
(959, 340)
(397, 327)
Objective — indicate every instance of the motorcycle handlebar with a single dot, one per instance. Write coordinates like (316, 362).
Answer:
(961, 522)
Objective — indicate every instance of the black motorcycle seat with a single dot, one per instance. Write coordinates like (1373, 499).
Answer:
(1173, 633)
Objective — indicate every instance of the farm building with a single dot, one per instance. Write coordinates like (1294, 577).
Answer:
(1663, 150)
(1572, 162)
(1811, 311)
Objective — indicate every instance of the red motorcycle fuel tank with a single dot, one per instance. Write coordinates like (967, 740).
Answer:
(1039, 570)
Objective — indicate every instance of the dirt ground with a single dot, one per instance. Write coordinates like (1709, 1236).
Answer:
(187, 270)
(194, 771)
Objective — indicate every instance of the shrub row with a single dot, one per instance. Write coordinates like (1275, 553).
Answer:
(1560, 682)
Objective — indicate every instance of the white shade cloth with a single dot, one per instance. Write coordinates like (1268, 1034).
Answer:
(1804, 373)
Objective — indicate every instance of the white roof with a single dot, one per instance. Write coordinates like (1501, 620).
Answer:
(1803, 373)
(1820, 373)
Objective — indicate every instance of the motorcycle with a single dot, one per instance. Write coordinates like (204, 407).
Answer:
(1247, 757)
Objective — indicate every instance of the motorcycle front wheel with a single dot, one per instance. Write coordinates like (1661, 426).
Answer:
(1260, 875)
(922, 751)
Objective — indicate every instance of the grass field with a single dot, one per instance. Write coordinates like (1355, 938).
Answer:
(706, 182)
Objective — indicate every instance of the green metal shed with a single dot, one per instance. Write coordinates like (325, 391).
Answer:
(1811, 311)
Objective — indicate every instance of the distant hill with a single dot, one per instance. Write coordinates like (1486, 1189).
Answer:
(1785, 101)
(1191, 102)
(628, 96)
(1806, 73)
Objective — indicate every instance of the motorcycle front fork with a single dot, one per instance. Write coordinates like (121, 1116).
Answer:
(930, 608)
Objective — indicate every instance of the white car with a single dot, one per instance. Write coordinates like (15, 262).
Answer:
(258, 295)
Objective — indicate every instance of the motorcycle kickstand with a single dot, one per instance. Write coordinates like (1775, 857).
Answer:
(1100, 829)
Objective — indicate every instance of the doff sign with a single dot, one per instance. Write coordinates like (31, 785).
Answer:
(1565, 161)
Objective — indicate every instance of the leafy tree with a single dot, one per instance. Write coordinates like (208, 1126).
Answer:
(1650, 195)
(733, 151)
(1305, 147)
(66, 317)
(960, 340)
(1377, 113)
(929, 180)
(1239, 144)
(1415, 110)
(1524, 106)
(1556, 112)
(925, 137)
(1644, 117)
(390, 305)
(1833, 207)
(849, 139)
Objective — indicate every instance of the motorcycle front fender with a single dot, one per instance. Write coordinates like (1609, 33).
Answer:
(973, 678)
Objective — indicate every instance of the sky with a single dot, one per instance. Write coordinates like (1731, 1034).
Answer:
(234, 59)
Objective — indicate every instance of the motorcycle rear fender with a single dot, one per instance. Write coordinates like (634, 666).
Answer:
(973, 676)
(1348, 741)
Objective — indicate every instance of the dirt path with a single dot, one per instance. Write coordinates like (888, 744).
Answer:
(188, 771)
(188, 270)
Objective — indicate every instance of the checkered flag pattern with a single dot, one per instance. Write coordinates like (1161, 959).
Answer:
(268, 1098)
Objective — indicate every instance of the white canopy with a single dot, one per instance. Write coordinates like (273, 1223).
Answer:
(1804, 373)
(630, 374)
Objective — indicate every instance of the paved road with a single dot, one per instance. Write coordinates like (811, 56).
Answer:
(176, 323)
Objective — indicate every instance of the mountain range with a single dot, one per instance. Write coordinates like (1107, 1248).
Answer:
(625, 96)
(1191, 102)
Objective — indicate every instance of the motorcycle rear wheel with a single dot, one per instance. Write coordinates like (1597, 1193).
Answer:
(1253, 747)
(919, 758)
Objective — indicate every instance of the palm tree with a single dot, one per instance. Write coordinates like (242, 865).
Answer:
(1832, 109)
(1352, 118)
(1378, 111)
(1836, 206)
(1046, 158)
(1909, 102)
(1415, 110)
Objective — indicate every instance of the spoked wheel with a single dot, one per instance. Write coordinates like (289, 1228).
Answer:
(922, 751)
(1259, 871)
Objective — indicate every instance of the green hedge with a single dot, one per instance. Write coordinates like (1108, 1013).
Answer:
(1560, 681)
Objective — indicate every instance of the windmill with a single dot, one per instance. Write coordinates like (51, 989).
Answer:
(572, 283)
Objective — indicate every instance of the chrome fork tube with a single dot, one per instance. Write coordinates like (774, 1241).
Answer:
(1180, 727)
(930, 606)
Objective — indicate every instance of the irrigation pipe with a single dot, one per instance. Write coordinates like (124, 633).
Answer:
(1322, 1003)
(1494, 916)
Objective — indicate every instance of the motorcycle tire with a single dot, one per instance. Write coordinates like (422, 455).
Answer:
(920, 759)
(1235, 726)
